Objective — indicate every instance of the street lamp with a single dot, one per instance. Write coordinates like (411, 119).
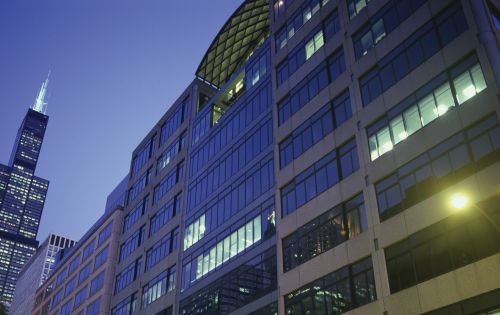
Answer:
(460, 201)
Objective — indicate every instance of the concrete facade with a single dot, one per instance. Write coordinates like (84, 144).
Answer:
(461, 284)
(74, 276)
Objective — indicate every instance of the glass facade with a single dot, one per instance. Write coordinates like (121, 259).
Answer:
(336, 293)
(311, 86)
(443, 165)
(299, 18)
(307, 48)
(342, 223)
(274, 144)
(313, 130)
(22, 197)
(240, 286)
(387, 19)
(429, 102)
(325, 173)
(413, 52)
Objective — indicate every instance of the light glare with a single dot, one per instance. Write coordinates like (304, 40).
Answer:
(459, 201)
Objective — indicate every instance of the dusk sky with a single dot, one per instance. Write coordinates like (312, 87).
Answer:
(117, 65)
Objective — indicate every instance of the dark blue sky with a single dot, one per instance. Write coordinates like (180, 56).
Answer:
(117, 65)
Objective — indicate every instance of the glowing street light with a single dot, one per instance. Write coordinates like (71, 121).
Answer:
(459, 201)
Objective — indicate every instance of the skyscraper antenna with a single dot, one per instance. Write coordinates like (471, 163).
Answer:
(40, 105)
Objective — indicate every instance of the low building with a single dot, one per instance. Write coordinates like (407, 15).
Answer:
(82, 280)
(36, 271)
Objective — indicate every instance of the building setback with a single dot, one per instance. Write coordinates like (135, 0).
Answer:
(309, 167)
(36, 271)
(22, 197)
(81, 282)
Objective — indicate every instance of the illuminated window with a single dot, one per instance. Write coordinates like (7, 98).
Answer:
(355, 6)
(469, 83)
(427, 108)
(314, 44)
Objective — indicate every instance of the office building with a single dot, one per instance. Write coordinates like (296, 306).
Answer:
(82, 280)
(22, 196)
(36, 271)
(386, 111)
(315, 165)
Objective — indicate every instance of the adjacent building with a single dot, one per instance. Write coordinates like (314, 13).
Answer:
(36, 272)
(22, 197)
(81, 281)
(310, 167)
(386, 111)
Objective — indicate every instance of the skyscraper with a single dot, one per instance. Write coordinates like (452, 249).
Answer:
(36, 271)
(22, 197)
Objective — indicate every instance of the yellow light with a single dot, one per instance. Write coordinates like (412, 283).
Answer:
(459, 201)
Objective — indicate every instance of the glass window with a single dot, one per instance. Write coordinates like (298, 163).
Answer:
(384, 141)
(412, 120)
(249, 234)
(431, 105)
(310, 49)
(428, 109)
(205, 262)
(80, 297)
(234, 244)
(257, 229)
(436, 250)
(378, 31)
(97, 283)
(444, 99)
(314, 44)
(241, 239)
(408, 55)
(88, 250)
(464, 87)
(355, 6)
(226, 253)
(84, 273)
(100, 259)
(366, 43)
(398, 129)
(477, 76)
(199, 267)
(218, 260)
(387, 77)
(334, 292)
(212, 258)
(372, 141)
(469, 83)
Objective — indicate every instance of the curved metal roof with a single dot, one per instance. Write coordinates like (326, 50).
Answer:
(235, 42)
